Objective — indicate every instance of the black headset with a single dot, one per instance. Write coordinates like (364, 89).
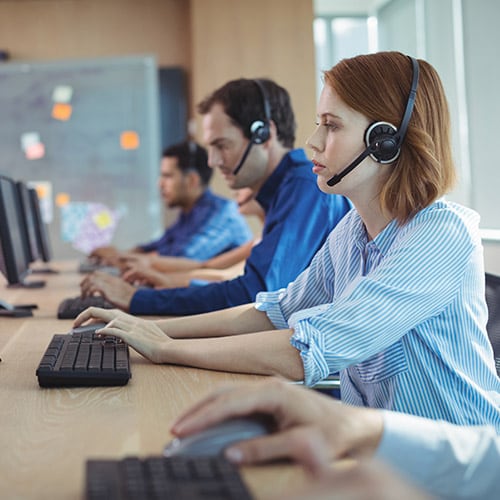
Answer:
(383, 139)
(260, 131)
(192, 150)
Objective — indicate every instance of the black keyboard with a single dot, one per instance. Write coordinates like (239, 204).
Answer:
(91, 266)
(82, 358)
(71, 307)
(179, 478)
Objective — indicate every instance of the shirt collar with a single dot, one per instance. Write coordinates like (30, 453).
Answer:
(382, 241)
(200, 202)
(294, 158)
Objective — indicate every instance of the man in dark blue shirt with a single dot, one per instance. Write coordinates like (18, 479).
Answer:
(207, 225)
(249, 130)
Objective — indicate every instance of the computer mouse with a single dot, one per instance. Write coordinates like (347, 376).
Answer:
(214, 440)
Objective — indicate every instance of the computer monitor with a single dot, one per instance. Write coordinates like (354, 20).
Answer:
(41, 231)
(14, 263)
(28, 221)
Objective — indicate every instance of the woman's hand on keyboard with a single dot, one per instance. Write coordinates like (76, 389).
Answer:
(144, 336)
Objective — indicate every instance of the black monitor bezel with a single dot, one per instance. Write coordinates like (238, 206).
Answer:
(42, 234)
(28, 221)
(14, 254)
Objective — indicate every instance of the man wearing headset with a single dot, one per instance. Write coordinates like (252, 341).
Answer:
(249, 131)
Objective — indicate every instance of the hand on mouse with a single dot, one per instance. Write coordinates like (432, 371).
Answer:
(305, 432)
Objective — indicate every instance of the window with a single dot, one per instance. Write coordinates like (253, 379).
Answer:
(338, 37)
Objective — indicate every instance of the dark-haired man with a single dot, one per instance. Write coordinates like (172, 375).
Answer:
(207, 224)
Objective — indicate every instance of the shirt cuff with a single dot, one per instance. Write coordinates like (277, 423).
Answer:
(141, 302)
(407, 443)
(269, 302)
(196, 282)
(310, 344)
(435, 455)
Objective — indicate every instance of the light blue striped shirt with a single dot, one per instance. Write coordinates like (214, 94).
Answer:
(402, 317)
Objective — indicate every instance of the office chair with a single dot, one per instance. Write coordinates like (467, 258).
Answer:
(493, 325)
(331, 385)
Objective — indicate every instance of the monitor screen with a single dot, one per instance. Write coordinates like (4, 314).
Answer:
(28, 221)
(15, 260)
(41, 230)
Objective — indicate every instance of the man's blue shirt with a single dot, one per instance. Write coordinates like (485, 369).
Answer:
(211, 227)
(298, 219)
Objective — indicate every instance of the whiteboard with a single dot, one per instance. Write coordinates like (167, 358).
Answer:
(86, 132)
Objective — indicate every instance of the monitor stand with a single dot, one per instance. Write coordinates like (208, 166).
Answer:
(16, 311)
(38, 268)
(44, 270)
(28, 284)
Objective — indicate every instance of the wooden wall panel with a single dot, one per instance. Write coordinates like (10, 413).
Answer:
(259, 38)
(67, 29)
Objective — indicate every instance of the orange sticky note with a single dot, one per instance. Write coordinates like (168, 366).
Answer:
(129, 139)
(62, 111)
(62, 199)
(41, 190)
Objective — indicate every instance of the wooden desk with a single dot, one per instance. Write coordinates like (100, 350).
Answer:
(47, 434)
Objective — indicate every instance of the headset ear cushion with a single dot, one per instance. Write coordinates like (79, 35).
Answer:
(383, 139)
(260, 132)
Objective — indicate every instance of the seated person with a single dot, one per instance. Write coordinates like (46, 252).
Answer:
(208, 225)
(298, 216)
(161, 272)
(441, 459)
(395, 298)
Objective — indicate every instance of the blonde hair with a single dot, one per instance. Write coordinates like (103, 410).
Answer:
(378, 86)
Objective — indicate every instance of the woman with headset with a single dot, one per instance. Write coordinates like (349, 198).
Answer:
(394, 300)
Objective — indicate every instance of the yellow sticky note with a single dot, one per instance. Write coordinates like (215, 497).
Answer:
(129, 139)
(62, 199)
(62, 111)
(103, 219)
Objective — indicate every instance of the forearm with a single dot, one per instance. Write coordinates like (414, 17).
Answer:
(171, 264)
(262, 353)
(182, 279)
(230, 257)
(177, 279)
(216, 274)
(226, 322)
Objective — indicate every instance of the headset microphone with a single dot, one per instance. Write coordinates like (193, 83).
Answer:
(243, 158)
(338, 177)
(383, 140)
